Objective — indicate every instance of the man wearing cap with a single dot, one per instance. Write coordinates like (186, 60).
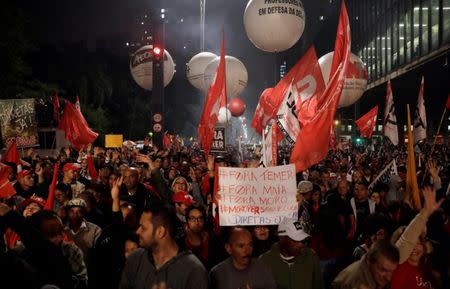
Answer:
(69, 181)
(25, 186)
(241, 270)
(83, 233)
(182, 200)
(29, 207)
(293, 265)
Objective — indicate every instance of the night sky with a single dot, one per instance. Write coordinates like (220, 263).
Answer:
(93, 21)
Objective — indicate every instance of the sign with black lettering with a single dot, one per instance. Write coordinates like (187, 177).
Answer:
(18, 120)
(218, 144)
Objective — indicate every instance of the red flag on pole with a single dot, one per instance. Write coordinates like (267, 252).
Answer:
(56, 108)
(12, 154)
(6, 188)
(76, 128)
(215, 99)
(309, 86)
(262, 113)
(313, 140)
(51, 193)
(77, 103)
(367, 122)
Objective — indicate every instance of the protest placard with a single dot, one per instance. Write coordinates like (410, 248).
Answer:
(218, 144)
(18, 121)
(256, 196)
(113, 140)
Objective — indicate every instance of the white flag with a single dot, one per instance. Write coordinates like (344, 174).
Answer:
(269, 145)
(287, 116)
(420, 118)
(390, 120)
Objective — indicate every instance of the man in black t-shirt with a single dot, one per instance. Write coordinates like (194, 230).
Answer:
(358, 208)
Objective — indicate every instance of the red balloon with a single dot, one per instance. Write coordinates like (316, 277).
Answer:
(236, 107)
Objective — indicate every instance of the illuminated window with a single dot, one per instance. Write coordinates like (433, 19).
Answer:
(349, 127)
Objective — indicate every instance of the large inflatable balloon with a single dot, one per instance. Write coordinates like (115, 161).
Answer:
(236, 107)
(355, 81)
(224, 116)
(195, 68)
(141, 67)
(236, 75)
(274, 26)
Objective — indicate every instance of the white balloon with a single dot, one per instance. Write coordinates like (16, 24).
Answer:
(237, 75)
(224, 115)
(195, 68)
(141, 67)
(273, 26)
(355, 81)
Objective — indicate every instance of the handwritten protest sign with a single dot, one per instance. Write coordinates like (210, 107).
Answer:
(18, 121)
(256, 196)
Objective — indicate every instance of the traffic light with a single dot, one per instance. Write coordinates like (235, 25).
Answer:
(157, 51)
(358, 140)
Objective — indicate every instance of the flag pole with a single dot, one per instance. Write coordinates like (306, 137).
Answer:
(434, 144)
(438, 130)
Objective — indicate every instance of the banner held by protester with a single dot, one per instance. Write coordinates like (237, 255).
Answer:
(18, 121)
(256, 196)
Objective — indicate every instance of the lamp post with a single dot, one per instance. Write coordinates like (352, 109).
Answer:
(157, 100)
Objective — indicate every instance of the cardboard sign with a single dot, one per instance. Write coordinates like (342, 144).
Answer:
(256, 196)
(18, 121)
(113, 140)
(218, 144)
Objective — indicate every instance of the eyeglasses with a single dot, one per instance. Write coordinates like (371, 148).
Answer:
(196, 219)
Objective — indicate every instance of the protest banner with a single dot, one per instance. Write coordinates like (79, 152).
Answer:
(18, 121)
(113, 140)
(256, 196)
(218, 144)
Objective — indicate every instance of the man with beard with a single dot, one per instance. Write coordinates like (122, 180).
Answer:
(240, 270)
(160, 262)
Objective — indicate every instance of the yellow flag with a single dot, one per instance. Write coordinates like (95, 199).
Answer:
(411, 195)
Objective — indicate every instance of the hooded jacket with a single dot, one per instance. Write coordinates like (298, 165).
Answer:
(183, 271)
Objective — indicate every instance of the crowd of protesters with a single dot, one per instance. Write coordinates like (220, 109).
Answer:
(142, 218)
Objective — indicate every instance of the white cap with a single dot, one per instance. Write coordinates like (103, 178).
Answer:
(293, 229)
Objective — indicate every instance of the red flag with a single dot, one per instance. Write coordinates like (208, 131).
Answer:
(216, 98)
(262, 116)
(6, 188)
(367, 122)
(12, 154)
(51, 193)
(56, 108)
(76, 128)
(333, 141)
(448, 102)
(310, 86)
(77, 103)
(166, 141)
(313, 140)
